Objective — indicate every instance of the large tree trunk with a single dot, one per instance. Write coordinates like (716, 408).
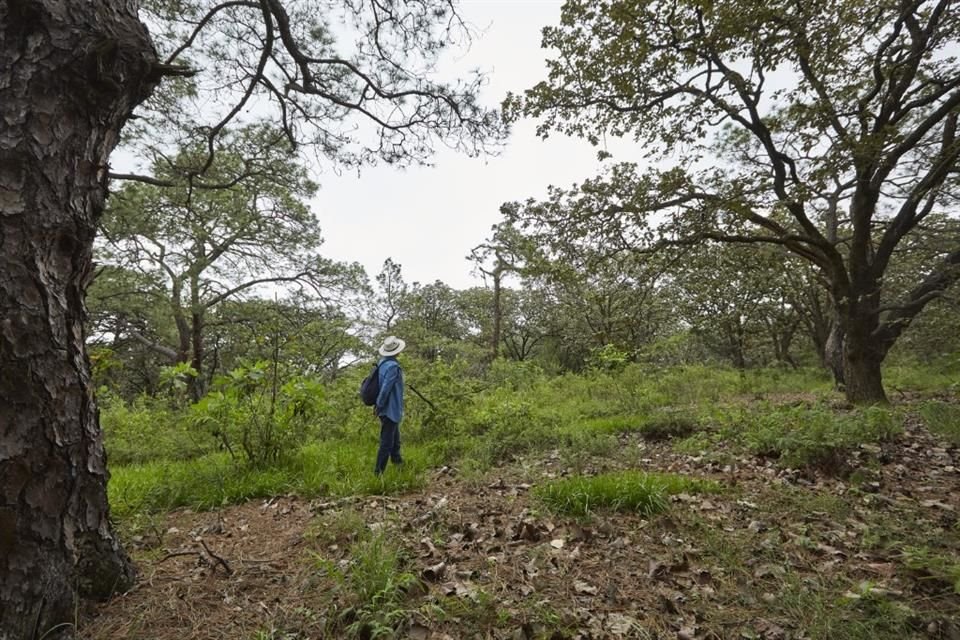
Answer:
(70, 75)
(863, 355)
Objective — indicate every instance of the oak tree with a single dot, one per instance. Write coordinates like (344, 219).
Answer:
(826, 127)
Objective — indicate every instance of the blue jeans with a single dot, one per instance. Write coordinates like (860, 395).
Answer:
(389, 444)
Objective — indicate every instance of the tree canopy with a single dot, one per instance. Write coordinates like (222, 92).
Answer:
(828, 128)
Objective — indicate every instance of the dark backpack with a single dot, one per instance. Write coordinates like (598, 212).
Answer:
(370, 387)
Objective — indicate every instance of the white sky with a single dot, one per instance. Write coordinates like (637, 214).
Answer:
(428, 219)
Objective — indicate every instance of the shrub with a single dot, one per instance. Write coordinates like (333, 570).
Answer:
(665, 424)
(514, 375)
(659, 424)
(145, 430)
(254, 417)
(507, 426)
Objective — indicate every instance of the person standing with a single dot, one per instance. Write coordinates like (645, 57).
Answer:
(389, 405)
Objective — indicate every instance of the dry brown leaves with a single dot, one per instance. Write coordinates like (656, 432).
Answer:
(498, 566)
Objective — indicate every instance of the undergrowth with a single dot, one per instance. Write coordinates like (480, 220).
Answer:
(475, 424)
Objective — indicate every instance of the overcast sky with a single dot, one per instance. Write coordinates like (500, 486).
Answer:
(428, 219)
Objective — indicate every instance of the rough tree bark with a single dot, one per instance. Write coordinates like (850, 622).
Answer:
(71, 73)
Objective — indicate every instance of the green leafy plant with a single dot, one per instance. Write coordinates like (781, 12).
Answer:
(608, 358)
(507, 425)
(146, 429)
(256, 418)
(374, 583)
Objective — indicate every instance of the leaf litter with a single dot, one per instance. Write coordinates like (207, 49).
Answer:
(776, 556)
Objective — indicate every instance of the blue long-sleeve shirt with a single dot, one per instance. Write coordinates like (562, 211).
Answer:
(390, 398)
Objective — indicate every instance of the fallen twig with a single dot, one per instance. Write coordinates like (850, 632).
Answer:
(219, 560)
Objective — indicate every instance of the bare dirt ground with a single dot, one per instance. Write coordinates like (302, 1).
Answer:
(778, 554)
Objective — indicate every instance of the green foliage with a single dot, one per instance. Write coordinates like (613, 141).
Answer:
(452, 390)
(518, 376)
(665, 424)
(374, 584)
(325, 469)
(254, 417)
(520, 414)
(608, 358)
(634, 491)
(341, 526)
(174, 383)
(688, 80)
(146, 429)
(578, 448)
(803, 436)
(903, 374)
(935, 569)
(942, 418)
(659, 424)
(506, 426)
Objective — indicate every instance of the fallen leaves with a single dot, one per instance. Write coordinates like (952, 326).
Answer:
(490, 562)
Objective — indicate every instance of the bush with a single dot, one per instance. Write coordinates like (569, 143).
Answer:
(507, 426)
(659, 424)
(666, 424)
(514, 375)
(145, 430)
(254, 417)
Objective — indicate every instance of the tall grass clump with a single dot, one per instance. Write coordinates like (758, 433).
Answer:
(943, 419)
(628, 491)
(805, 436)
(374, 584)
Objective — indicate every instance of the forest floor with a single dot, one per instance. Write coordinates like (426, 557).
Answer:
(776, 554)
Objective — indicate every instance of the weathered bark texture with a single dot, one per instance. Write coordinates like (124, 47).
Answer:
(70, 75)
(833, 353)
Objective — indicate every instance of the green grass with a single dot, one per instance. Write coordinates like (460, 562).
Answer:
(805, 436)
(917, 378)
(628, 491)
(943, 419)
(327, 469)
(579, 415)
(939, 571)
(374, 585)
